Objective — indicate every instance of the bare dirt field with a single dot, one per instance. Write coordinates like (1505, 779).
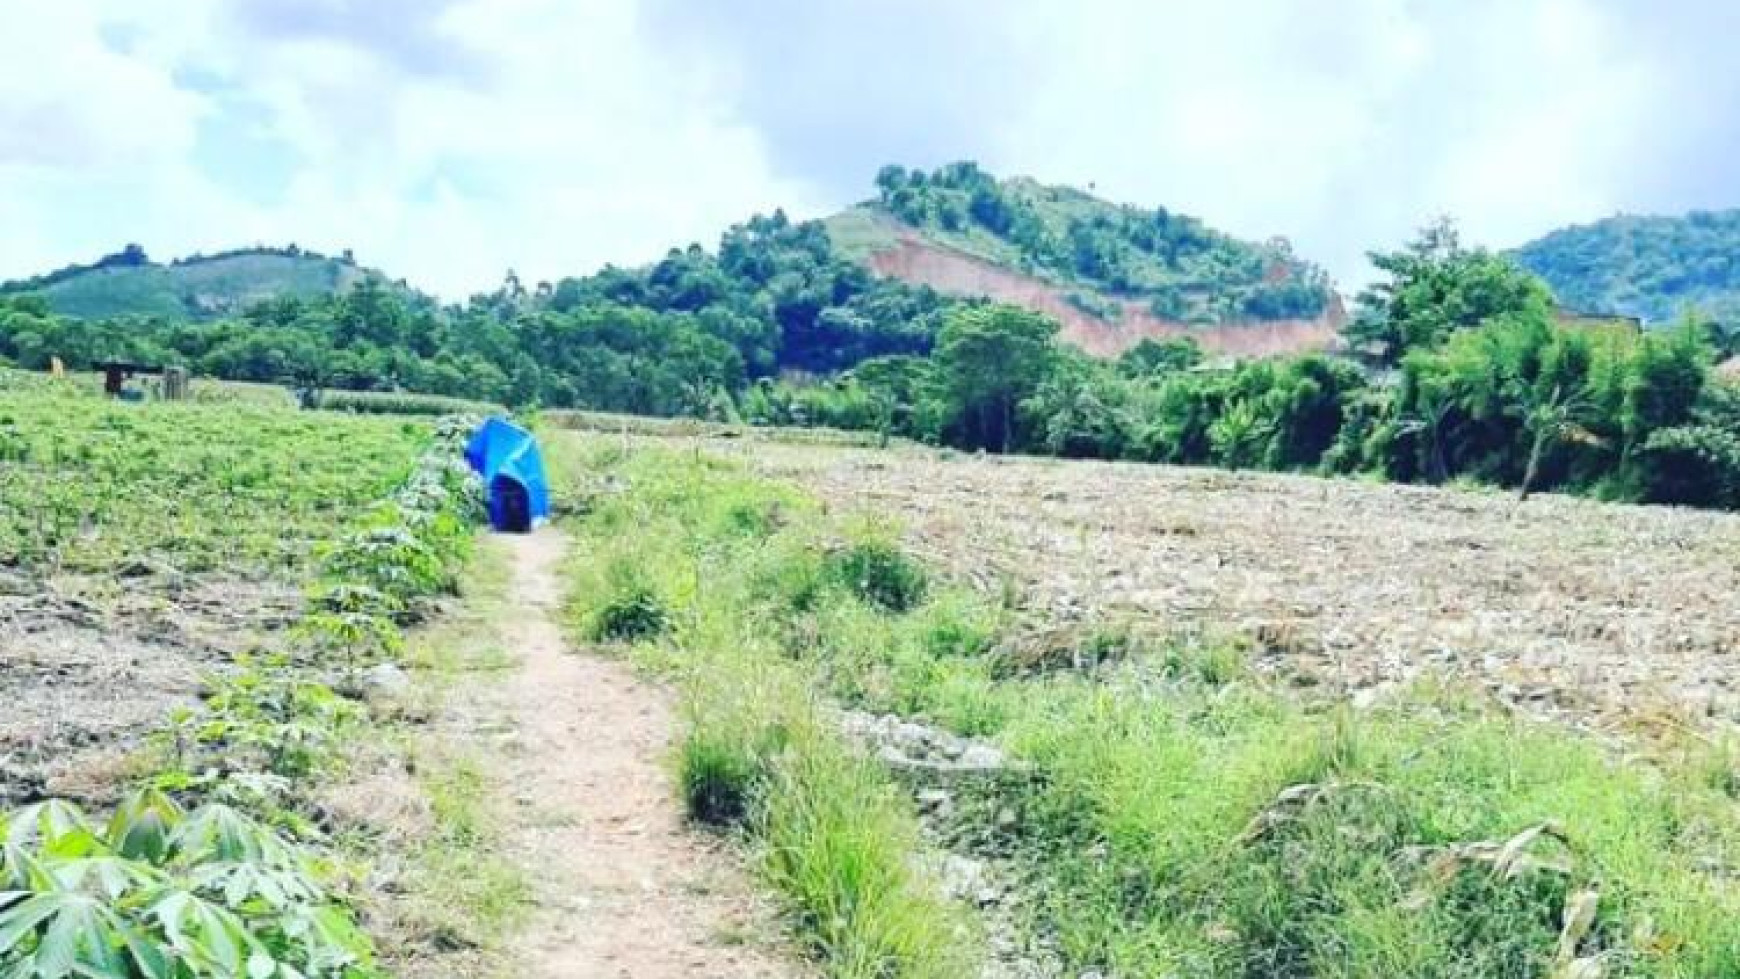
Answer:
(88, 665)
(1610, 617)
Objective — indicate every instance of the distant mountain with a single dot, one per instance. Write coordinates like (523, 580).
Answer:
(199, 287)
(1112, 273)
(1653, 268)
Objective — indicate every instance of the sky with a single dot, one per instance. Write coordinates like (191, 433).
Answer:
(448, 141)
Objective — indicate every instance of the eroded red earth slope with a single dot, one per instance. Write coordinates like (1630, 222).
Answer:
(915, 260)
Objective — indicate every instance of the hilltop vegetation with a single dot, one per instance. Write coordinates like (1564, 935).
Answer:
(778, 291)
(1182, 269)
(1656, 268)
(680, 336)
(686, 334)
(195, 288)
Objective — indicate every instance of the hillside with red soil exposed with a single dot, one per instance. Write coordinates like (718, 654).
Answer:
(916, 260)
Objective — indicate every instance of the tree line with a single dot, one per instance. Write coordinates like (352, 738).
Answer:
(1456, 367)
(1463, 372)
(1651, 267)
(676, 337)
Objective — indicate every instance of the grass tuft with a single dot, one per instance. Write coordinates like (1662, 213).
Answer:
(630, 610)
(839, 843)
(740, 719)
(878, 572)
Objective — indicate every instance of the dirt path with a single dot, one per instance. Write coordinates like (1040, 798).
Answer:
(623, 888)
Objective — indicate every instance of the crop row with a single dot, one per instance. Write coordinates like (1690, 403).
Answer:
(90, 485)
(208, 869)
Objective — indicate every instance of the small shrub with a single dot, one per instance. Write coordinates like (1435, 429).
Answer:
(716, 781)
(1213, 664)
(740, 719)
(1718, 768)
(391, 559)
(953, 627)
(751, 517)
(792, 580)
(631, 615)
(879, 573)
(839, 846)
(261, 717)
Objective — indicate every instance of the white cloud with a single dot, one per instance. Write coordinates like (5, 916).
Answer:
(1343, 126)
(73, 104)
(579, 145)
(449, 140)
(1342, 132)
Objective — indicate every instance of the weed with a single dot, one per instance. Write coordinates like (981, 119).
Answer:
(738, 586)
(1208, 662)
(465, 893)
(738, 723)
(838, 844)
(877, 571)
(633, 614)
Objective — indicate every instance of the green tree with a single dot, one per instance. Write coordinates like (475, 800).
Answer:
(1150, 356)
(1525, 401)
(1433, 287)
(988, 360)
(1078, 411)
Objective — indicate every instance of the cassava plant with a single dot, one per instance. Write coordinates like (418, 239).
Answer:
(161, 893)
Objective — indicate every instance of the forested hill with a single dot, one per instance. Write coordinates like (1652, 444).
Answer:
(773, 296)
(1112, 274)
(196, 288)
(1650, 267)
(675, 336)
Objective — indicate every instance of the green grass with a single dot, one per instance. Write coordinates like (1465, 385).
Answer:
(463, 890)
(460, 886)
(89, 484)
(838, 842)
(832, 835)
(1200, 867)
(859, 232)
(876, 571)
(1182, 818)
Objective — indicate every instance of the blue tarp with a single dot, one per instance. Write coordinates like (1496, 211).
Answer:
(507, 458)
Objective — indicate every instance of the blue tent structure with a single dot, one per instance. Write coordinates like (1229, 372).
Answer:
(507, 458)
